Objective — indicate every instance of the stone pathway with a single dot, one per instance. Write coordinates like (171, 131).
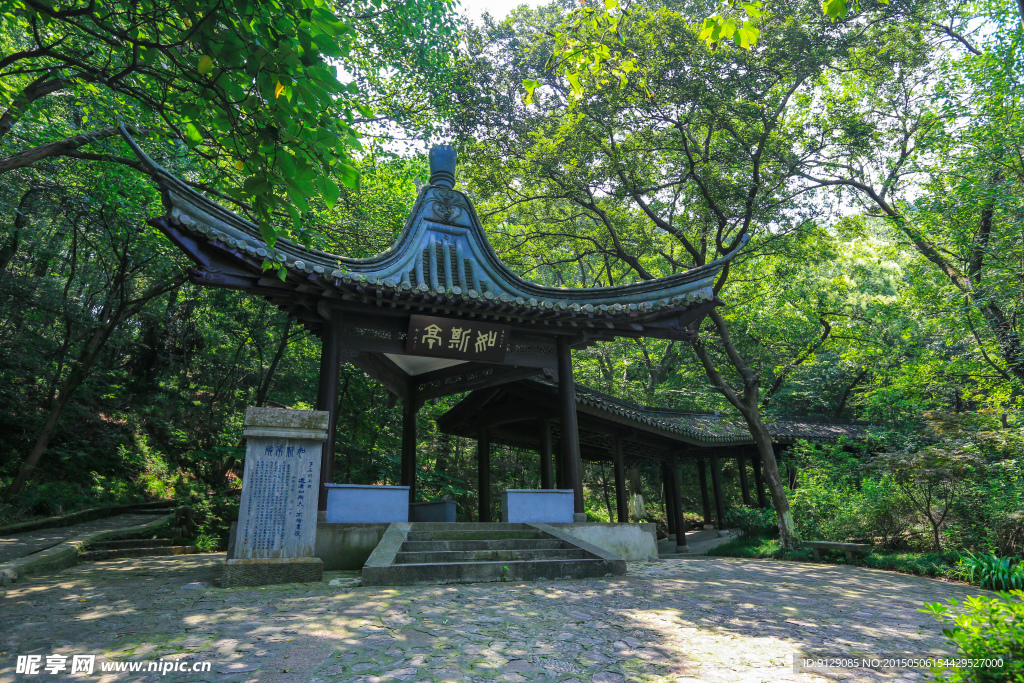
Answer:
(706, 619)
(13, 546)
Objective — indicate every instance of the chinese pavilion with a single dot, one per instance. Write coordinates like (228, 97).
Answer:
(521, 414)
(437, 313)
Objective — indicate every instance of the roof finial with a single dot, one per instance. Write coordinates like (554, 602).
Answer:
(442, 165)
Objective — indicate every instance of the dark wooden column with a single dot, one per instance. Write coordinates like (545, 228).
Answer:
(327, 399)
(483, 465)
(716, 483)
(758, 481)
(570, 440)
(546, 474)
(744, 484)
(670, 509)
(677, 505)
(705, 500)
(622, 503)
(409, 444)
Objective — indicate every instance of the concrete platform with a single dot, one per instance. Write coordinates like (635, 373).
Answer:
(697, 543)
(349, 545)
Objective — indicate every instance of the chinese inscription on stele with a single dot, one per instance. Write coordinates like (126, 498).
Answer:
(454, 338)
(276, 534)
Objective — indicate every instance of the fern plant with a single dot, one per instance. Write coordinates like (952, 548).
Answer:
(990, 571)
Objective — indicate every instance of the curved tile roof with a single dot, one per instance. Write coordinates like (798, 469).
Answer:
(710, 428)
(442, 259)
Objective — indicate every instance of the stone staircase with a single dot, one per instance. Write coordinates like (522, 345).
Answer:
(134, 547)
(137, 547)
(434, 553)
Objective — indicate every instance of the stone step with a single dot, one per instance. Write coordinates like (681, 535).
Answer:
(474, 572)
(130, 543)
(469, 526)
(478, 535)
(96, 555)
(519, 555)
(154, 511)
(508, 544)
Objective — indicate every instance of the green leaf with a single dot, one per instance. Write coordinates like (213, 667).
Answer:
(205, 64)
(328, 190)
(530, 85)
(192, 135)
(574, 81)
(834, 8)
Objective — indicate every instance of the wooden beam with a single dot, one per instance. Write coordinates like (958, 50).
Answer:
(568, 426)
(716, 483)
(483, 466)
(677, 504)
(744, 484)
(408, 476)
(546, 466)
(670, 508)
(705, 500)
(621, 502)
(327, 399)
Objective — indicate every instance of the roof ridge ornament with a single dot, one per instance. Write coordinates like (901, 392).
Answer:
(443, 159)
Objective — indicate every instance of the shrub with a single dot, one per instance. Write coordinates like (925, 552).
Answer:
(923, 564)
(207, 543)
(752, 521)
(826, 509)
(888, 513)
(213, 516)
(988, 627)
(990, 571)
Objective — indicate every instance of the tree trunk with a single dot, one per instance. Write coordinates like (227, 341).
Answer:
(746, 402)
(264, 389)
(787, 528)
(935, 533)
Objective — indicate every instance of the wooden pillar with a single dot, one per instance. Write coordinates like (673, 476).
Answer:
(716, 483)
(327, 399)
(409, 444)
(546, 467)
(621, 501)
(570, 440)
(483, 465)
(744, 484)
(677, 505)
(670, 509)
(705, 500)
(758, 481)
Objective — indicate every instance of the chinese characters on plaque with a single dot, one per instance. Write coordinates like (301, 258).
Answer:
(455, 338)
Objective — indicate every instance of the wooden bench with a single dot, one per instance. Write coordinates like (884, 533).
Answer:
(850, 549)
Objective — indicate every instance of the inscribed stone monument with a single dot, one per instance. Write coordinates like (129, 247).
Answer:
(276, 532)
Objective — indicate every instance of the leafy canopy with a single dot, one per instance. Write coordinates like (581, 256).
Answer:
(252, 87)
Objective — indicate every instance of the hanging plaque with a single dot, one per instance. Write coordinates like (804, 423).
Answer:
(454, 338)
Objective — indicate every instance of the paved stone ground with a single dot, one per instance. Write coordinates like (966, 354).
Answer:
(13, 546)
(707, 619)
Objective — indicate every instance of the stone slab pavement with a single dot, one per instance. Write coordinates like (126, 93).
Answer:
(691, 619)
(13, 546)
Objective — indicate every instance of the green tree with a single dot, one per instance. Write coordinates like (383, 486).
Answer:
(651, 178)
(252, 88)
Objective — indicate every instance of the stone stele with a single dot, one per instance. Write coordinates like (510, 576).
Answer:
(276, 533)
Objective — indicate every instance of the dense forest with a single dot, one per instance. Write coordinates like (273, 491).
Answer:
(875, 160)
